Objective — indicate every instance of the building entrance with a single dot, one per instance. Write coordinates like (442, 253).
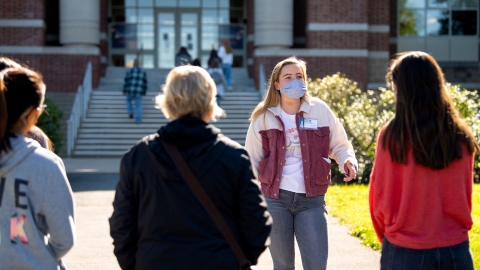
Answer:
(176, 28)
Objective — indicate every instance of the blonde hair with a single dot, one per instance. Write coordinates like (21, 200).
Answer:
(189, 90)
(272, 98)
(226, 44)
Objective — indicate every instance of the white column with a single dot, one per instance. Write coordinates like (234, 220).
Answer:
(80, 22)
(273, 23)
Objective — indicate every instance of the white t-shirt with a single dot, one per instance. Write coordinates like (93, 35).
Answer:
(227, 58)
(292, 175)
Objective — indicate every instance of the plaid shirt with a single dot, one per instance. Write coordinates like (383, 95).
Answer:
(135, 82)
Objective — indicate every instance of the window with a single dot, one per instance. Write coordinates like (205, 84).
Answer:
(438, 17)
(447, 29)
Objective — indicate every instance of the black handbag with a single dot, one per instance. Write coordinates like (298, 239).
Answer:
(204, 199)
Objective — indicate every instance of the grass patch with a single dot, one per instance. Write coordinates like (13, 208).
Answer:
(350, 204)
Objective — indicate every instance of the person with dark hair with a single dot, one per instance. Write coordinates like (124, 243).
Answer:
(182, 57)
(422, 177)
(214, 58)
(292, 138)
(216, 72)
(157, 221)
(225, 52)
(134, 87)
(36, 201)
(196, 62)
(35, 132)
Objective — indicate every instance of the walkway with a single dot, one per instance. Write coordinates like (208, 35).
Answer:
(93, 182)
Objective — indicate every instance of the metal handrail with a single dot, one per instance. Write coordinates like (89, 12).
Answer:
(79, 108)
(262, 85)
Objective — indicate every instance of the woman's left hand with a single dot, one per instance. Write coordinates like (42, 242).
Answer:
(350, 171)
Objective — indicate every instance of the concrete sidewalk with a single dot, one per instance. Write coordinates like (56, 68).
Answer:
(93, 182)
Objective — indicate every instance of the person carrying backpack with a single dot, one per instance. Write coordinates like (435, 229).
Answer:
(216, 72)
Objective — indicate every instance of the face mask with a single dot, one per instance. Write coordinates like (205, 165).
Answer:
(294, 89)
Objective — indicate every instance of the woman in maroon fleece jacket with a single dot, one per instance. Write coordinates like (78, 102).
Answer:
(421, 184)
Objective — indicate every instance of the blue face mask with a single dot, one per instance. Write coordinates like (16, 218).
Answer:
(294, 89)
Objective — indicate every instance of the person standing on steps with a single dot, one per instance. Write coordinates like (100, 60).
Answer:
(291, 138)
(134, 88)
(225, 52)
(182, 57)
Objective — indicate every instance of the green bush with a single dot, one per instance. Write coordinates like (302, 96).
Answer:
(49, 122)
(363, 113)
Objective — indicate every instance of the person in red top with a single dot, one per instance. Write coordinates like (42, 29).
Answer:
(421, 182)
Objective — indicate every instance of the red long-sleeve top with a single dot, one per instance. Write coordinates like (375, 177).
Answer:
(420, 208)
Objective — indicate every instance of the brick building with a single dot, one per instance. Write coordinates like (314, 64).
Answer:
(58, 37)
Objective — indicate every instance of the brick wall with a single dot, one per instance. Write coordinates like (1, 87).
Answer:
(22, 36)
(27, 10)
(354, 68)
(336, 11)
(61, 73)
(338, 39)
(104, 29)
(377, 68)
(250, 31)
(22, 9)
(393, 26)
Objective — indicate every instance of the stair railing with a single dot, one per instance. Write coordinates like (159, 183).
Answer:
(262, 82)
(79, 108)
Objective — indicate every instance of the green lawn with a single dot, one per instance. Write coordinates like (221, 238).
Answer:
(350, 204)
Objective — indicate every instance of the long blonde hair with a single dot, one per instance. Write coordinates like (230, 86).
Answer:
(226, 44)
(272, 98)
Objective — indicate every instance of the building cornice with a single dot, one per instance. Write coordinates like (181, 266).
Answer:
(348, 27)
(70, 50)
(22, 23)
(285, 52)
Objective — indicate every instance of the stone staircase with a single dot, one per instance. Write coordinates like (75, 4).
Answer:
(108, 132)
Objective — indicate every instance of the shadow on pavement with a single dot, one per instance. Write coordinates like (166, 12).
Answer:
(92, 181)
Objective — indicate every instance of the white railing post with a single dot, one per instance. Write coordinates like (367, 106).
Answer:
(262, 84)
(79, 108)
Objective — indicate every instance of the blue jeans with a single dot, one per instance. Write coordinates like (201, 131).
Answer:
(227, 71)
(138, 106)
(452, 258)
(295, 215)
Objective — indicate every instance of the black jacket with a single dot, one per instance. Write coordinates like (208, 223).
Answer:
(158, 223)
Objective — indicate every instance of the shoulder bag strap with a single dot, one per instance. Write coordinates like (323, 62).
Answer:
(204, 199)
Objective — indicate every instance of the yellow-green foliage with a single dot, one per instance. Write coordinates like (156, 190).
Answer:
(363, 113)
(475, 232)
(350, 204)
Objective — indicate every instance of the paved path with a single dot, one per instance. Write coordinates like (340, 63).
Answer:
(93, 182)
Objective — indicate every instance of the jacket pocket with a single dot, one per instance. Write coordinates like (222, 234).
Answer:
(321, 140)
(322, 171)
(265, 169)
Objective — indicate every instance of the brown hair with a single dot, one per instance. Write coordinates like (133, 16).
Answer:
(226, 44)
(425, 120)
(20, 90)
(272, 98)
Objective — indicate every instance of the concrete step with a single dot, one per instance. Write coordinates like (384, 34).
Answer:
(107, 131)
(127, 126)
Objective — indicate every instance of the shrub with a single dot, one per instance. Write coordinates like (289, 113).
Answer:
(363, 113)
(49, 122)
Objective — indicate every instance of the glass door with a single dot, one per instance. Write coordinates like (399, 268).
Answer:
(175, 29)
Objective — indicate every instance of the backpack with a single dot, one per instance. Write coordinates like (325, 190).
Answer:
(217, 77)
